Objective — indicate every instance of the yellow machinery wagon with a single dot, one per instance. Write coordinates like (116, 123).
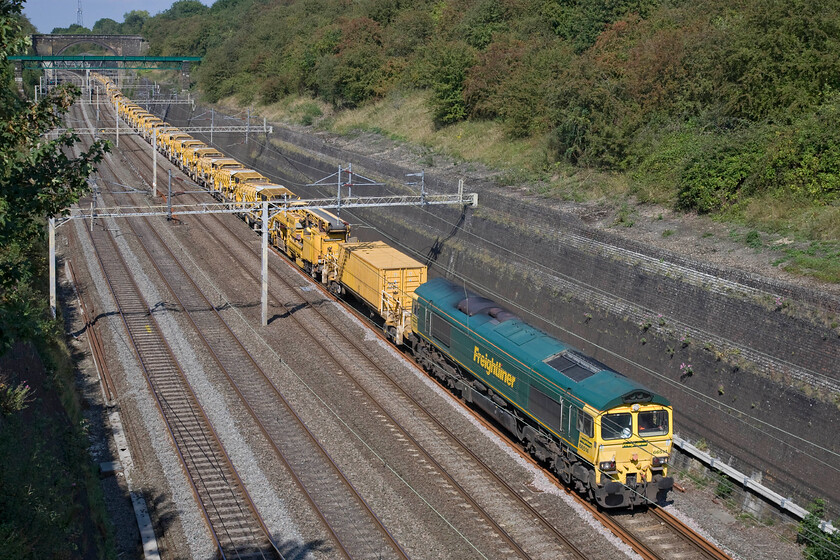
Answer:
(191, 156)
(309, 237)
(206, 168)
(259, 192)
(226, 179)
(168, 139)
(181, 148)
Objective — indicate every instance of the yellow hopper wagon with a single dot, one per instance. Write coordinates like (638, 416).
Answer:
(383, 278)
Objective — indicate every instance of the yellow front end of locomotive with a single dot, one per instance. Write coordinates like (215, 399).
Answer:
(631, 451)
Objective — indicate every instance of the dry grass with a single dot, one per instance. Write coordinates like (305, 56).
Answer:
(779, 214)
(587, 185)
(406, 116)
(291, 110)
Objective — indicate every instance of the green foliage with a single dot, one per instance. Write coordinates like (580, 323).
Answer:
(818, 544)
(484, 19)
(488, 80)
(753, 239)
(448, 64)
(771, 57)
(724, 487)
(106, 26)
(706, 106)
(133, 22)
(51, 505)
(717, 176)
(14, 397)
(37, 179)
(356, 73)
(183, 9)
(410, 30)
(803, 159)
(581, 21)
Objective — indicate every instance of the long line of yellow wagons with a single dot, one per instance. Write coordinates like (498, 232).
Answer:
(316, 240)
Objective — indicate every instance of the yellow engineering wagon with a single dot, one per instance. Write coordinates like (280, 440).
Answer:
(180, 148)
(226, 179)
(259, 192)
(382, 277)
(208, 167)
(191, 156)
(309, 237)
(168, 139)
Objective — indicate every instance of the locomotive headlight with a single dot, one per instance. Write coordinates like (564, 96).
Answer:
(659, 461)
(607, 466)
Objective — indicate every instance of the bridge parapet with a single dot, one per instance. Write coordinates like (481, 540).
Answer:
(119, 45)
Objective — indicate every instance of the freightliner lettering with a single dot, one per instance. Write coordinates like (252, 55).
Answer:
(492, 367)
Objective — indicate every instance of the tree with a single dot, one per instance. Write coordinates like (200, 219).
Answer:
(37, 179)
(448, 64)
(106, 26)
(133, 21)
(185, 8)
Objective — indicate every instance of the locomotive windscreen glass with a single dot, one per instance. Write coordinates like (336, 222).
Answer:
(617, 426)
(653, 423)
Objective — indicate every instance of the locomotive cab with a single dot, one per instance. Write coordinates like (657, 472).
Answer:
(631, 454)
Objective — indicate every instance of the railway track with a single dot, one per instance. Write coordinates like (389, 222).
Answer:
(235, 526)
(353, 351)
(234, 523)
(354, 527)
(654, 534)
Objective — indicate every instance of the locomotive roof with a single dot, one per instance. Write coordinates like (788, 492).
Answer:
(557, 362)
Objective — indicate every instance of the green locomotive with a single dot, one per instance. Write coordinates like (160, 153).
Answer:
(604, 434)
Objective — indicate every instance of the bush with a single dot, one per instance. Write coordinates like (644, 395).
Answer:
(581, 22)
(803, 159)
(448, 64)
(770, 58)
(487, 81)
(818, 544)
(483, 20)
(719, 174)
